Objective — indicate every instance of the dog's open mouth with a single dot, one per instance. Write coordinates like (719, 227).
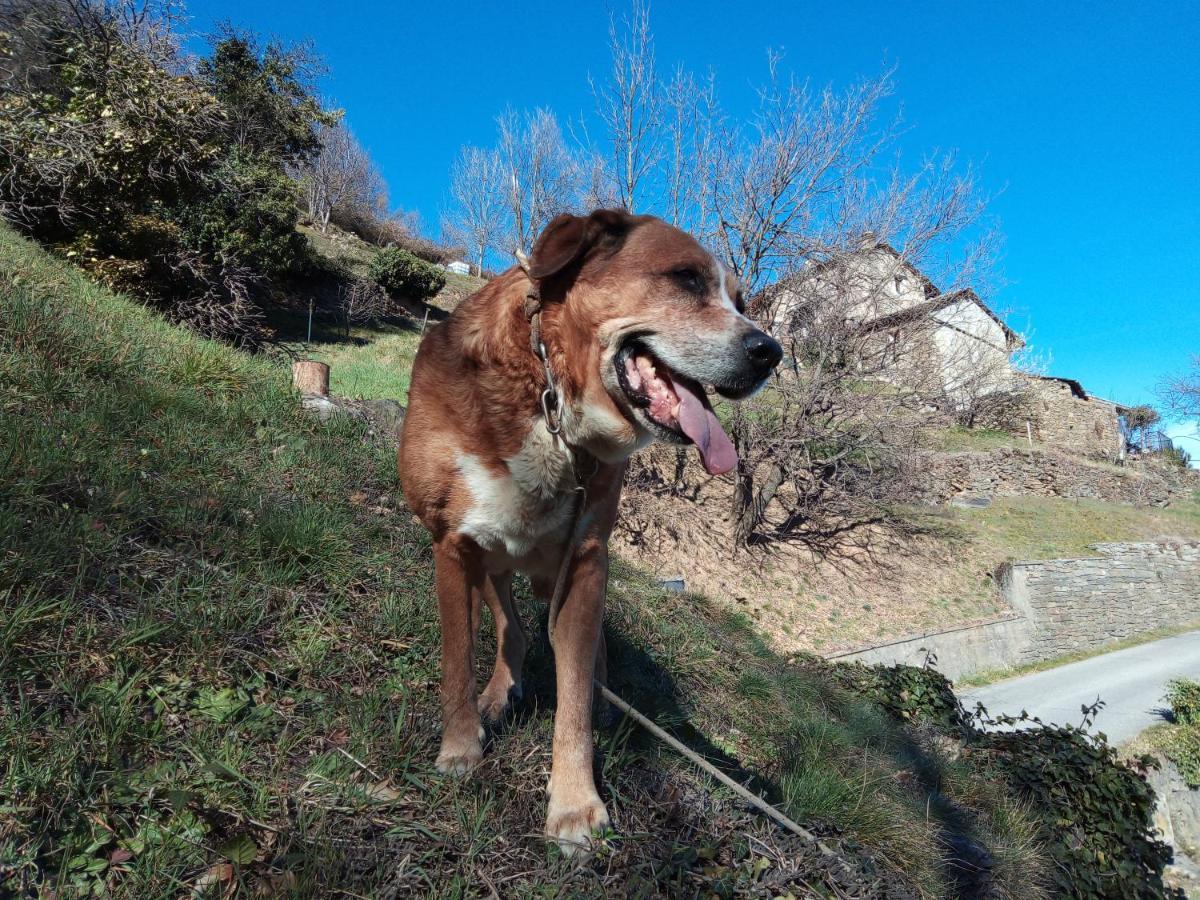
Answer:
(677, 405)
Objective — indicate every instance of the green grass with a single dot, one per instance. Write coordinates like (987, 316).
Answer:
(958, 438)
(218, 651)
(1051, 527)
(376, 364)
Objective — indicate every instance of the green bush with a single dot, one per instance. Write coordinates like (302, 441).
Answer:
(1177, 456)
(249, 216)
(399, 272)
(1093, 812)
(1096, 813)
(908, 692)
(1184, 696)
(1182, 747)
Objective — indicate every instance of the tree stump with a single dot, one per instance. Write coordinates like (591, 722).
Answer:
(311, 377)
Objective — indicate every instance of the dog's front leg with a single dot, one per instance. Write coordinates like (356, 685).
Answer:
(576, 811)
(459, 574)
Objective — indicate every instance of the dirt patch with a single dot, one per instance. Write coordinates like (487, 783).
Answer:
(873, 583)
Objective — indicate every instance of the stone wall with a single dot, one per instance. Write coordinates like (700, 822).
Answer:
(1062, 606)
(1062, 419)
(1016, 472)
(962, 651)
(1081, 604)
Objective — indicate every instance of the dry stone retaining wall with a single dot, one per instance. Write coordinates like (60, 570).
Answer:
(1063, 606)
(1081, 604)
(1084, 425)
(1016, 472)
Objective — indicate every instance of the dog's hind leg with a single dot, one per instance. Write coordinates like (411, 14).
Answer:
(460, 578)
(505, 683)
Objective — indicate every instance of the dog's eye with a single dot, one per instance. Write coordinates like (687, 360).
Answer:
(739, 302)
(688, 279)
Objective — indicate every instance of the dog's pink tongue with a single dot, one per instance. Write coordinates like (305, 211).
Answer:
(700, 423)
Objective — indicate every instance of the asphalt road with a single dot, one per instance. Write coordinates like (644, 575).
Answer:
(1131, 682)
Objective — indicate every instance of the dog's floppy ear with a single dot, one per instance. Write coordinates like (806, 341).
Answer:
(568, 240)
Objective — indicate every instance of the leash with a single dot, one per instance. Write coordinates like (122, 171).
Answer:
(552, 398)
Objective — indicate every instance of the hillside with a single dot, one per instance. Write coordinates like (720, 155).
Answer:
(934, 570)
(219, 654)
(219, 659)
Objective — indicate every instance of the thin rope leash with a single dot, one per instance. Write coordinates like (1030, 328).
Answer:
(551, 398)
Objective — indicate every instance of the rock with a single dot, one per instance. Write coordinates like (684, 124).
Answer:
(971, 501)
(384, 416)
(1177, 818)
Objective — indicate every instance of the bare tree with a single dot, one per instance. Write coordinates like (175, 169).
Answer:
(341, 175)
(629, 104)
(540, 175)
(476, 185)
(779, 189)
(1181, 395)
(362, 300)
(833, 441)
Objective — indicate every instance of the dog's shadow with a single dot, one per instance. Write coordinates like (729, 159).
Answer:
(633, 675)
(644, 683)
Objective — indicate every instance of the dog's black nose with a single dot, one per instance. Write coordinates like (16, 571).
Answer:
(764, 351)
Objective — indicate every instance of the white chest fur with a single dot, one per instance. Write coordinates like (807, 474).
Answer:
(513, 511)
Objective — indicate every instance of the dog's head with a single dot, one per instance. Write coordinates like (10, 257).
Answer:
(648, 320)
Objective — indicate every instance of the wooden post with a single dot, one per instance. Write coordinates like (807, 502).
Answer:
(310, 377)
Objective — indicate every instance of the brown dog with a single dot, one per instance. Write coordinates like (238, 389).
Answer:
(633, 317)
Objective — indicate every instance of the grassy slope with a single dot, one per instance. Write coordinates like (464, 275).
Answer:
(372, 361)
(1050, 527)
(218, 657)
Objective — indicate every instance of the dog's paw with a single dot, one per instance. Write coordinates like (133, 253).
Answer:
(459, 756)
(495, 700)
(574, 828)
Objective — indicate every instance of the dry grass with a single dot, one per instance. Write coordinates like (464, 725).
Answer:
(931, 568)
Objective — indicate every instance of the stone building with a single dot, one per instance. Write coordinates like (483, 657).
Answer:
(949, 343)
(1063, 415)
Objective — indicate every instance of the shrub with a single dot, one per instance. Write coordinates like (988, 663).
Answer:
(1182, 747)
(400, 272)
(107, 132)
(1096, 813)
(1184, 696)
(908, 692)
(249, 216)
(362, 300)
(1177, 456)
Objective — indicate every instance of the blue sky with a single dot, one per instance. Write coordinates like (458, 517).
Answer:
(1082, 120)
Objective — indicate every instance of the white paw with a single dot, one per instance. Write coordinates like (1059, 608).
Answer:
(574, 827)
(458, 757)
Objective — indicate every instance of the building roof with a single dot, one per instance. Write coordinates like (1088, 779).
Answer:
(1075, 386)
(936, 299)
(1078, 391)
(940, 302)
